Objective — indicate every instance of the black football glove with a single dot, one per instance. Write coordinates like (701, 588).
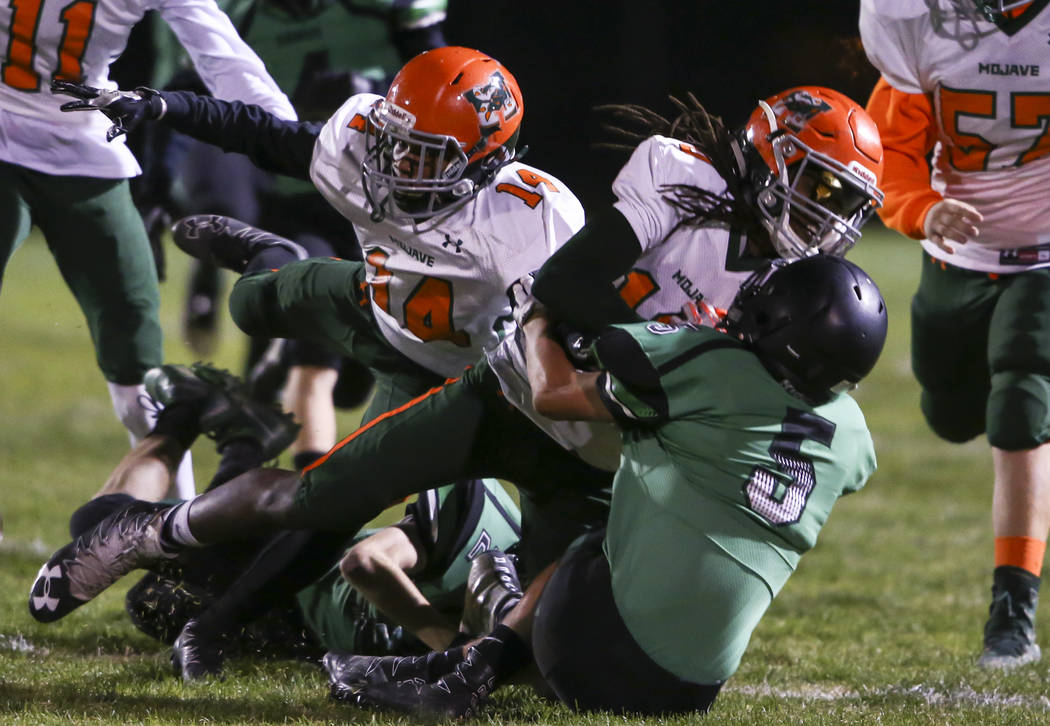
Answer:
(126, 109)
(577, 347)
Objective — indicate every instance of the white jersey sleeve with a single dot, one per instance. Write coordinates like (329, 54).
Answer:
(892, 33)
(228, 66)
(640, 186)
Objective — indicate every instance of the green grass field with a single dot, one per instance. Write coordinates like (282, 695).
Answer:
(881, 624)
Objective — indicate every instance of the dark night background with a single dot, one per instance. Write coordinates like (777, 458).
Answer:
(571, 55)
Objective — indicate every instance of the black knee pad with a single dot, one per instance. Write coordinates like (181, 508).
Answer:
(953, 415)
(309, 353)
(1018, 410)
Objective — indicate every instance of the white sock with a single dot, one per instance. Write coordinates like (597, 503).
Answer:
(176, 528)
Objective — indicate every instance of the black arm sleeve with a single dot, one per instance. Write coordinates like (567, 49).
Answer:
(273, 144)
(575, 284)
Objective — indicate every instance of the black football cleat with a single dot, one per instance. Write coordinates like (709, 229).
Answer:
(458, 694)
(228, 412)
(227, 242)
(493, 589)
(197, 654)
(1009, 633)
(347, 671)
(124, 541)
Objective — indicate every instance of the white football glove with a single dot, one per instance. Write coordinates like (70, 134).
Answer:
(522, 303)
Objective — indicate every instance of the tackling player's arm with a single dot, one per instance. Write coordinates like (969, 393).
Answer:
(576, 283)
(559, 391)
(378, 567)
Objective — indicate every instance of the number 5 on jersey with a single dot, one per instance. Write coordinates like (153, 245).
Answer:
(769, 495)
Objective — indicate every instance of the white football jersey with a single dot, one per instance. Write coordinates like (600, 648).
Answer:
(990, 91)
(679, 265)
(79, 39)
(439, 291)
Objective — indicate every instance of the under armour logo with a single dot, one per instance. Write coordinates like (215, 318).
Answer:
(45, 601)
(453, 243)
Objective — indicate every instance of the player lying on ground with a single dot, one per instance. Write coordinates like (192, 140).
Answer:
(736, 446)
(393, 588)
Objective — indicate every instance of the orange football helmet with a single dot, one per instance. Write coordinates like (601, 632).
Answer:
(815, 162)
(449, 121)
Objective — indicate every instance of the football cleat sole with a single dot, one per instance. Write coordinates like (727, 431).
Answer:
(49, 598)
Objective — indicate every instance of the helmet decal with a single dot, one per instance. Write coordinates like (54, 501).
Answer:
(796, 109)
(493, 102)
(394, 114)
(863, 172)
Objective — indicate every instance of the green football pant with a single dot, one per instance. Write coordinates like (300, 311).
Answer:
(981, 352)
(324, 301)
(98, 241)
(463, 429)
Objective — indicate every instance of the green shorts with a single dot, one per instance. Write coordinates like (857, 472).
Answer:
(981, 352)
(98, 241)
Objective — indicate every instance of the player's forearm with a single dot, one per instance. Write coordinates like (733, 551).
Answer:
(907, 127)
(395, 595)
(559, 391)
(273, 144)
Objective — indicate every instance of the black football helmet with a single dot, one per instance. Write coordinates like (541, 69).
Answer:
(817, 324)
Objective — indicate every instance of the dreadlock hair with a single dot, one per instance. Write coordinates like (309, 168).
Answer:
(699, 207)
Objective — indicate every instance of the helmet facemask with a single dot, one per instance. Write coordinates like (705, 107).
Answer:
(411, 175)
(998, 8)
(815, 203)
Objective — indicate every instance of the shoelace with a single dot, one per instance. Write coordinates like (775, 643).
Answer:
(89, 573)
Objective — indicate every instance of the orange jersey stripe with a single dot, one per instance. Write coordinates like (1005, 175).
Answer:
(377, 419)
(907, 127)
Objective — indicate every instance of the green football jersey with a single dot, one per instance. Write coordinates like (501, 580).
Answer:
(454, 524)
(726, 479)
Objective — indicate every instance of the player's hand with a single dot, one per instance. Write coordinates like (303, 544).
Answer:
(126, 109)
(522, 304)
(950, 222)
(577, 347)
